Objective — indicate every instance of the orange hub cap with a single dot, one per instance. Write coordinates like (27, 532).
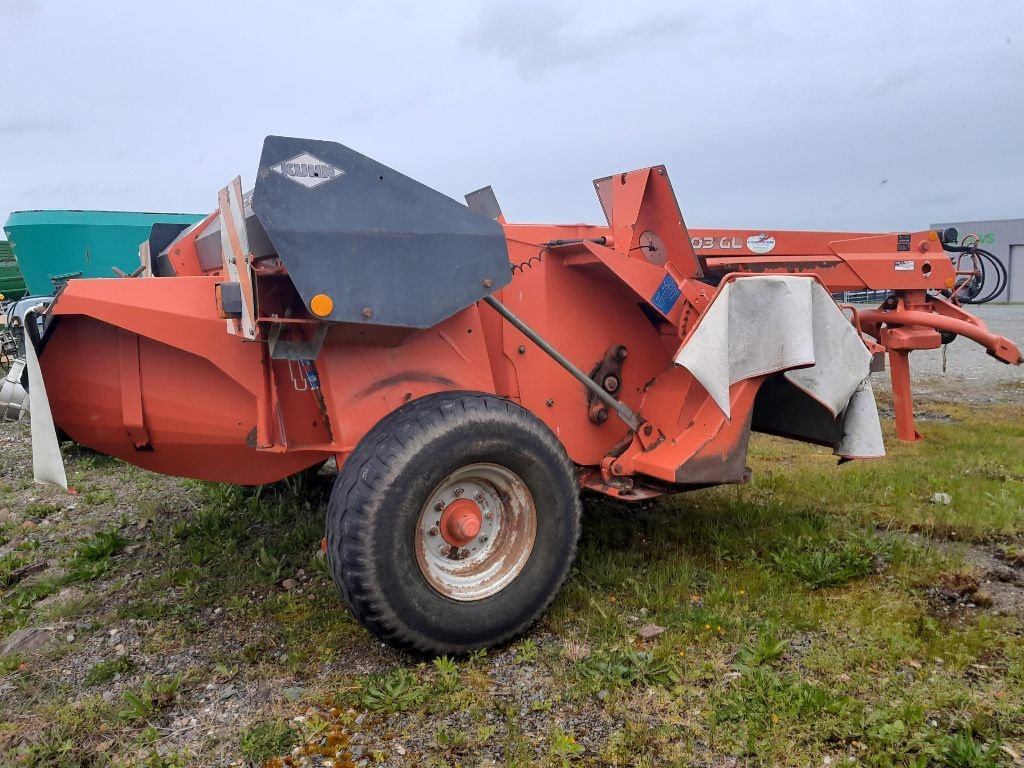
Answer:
(460, 522)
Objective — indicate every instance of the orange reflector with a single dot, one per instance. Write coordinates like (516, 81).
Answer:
(322, 305)
(950, 282)
(933, 235)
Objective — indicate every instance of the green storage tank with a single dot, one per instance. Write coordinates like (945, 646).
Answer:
(12, 284)
(54, 246)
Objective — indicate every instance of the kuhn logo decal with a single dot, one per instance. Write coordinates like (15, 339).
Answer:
(307, 170)
(762, 242)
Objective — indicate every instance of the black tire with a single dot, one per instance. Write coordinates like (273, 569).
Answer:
(375, 512)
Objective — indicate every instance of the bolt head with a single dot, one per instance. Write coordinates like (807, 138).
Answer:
(433, 531)
(367, 312)
(488, 282)
(483, 538)
(601, 416)
(522, 350)
(439, 506)
(610, 382)
(459, 491)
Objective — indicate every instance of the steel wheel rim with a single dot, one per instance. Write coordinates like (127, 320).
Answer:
(473, 567)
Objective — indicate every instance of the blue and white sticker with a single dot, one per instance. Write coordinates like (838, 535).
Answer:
(666, 296)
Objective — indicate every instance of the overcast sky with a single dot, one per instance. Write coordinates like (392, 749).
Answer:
(859, 115)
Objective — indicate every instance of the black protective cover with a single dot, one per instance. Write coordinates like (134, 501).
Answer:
(387, 249)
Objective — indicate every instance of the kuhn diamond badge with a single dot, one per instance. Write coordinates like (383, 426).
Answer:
(307, 170)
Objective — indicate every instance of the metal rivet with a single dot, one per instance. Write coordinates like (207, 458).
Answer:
(522, 350)
(367, 312)
(488, 282)
(549, 403)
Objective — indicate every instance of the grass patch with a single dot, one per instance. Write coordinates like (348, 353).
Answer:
(105, 671)
(266, 740)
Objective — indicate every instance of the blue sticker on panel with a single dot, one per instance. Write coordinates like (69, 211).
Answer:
(666, 296)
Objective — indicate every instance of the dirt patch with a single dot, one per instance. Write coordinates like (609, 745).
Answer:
(989, 581)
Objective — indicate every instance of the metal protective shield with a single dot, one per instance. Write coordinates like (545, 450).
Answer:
(386, 249)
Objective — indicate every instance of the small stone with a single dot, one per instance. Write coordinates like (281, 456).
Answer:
(28, 525)
(941, 498)
(218, 611)
(27, 640)
(70, 637)
(650, 631)
(289, 584)
(5, 515)
(400, 749)
(294, 693)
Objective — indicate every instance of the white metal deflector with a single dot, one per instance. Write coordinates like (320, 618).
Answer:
(47, 461)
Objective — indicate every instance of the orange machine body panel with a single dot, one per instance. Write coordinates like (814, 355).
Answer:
(153, 371)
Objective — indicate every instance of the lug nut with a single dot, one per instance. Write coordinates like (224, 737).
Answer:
(483, 538)
(459, 491)
(433, 531)
(479, 498)
(439, 506)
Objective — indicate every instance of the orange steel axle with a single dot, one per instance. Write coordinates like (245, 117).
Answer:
(229, 368)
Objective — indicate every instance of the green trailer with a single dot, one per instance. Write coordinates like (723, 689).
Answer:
(52, 247)
(12, 284)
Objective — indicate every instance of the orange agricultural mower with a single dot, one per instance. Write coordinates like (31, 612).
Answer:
(470, 376)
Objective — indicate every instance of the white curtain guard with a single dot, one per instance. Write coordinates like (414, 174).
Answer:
(765, 324)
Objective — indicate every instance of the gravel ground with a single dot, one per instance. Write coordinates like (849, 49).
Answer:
(970, 374)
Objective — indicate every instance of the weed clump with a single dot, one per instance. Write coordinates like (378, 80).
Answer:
(266, 740)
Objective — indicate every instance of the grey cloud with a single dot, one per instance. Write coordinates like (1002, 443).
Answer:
(544, 36)
(22, 126)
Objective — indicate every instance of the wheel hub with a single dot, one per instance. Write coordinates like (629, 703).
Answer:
(476, 531)
(461, 522)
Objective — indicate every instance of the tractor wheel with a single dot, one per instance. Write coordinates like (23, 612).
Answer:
(453, 524)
